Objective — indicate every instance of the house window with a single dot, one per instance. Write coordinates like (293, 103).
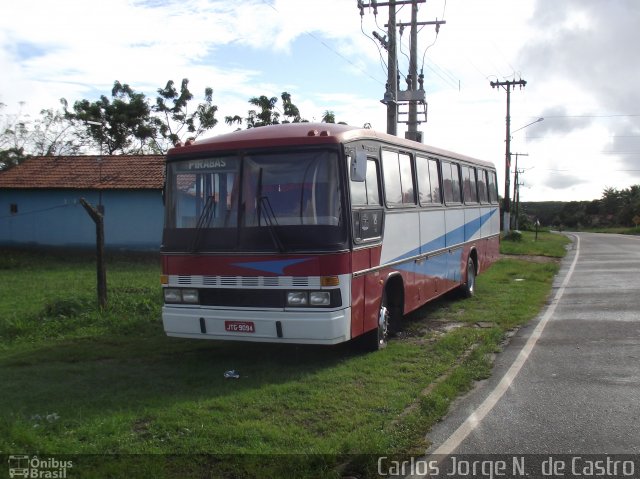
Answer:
(13, 208)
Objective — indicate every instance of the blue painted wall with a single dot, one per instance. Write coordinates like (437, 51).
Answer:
(133, 218)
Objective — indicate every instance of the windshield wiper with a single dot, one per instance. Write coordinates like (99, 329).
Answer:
(269, 215)
(270, 220)
(203, 221)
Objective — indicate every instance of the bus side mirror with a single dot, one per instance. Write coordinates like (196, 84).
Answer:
(359, 166)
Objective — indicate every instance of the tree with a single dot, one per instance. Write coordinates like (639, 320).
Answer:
(14, 136)
(230, 120)
(291, 112)
(51, 134)
(174, 122)
(125, 125)
(329, 117)
(54, 134)
(266, 113)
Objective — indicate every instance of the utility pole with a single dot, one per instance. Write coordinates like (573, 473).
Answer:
(507, 85)
(414, 95)
(412, 79)
(516, 189)
(392, 76)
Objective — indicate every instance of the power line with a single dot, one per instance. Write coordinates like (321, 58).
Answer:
(621, 115)
(13, 215)
(328, 47)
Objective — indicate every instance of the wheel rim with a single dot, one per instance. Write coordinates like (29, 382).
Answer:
(383, 326)
(471, 277)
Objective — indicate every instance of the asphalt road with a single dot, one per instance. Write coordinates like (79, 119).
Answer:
(568, 382)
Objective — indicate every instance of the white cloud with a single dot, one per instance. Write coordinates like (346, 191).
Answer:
(573, 54)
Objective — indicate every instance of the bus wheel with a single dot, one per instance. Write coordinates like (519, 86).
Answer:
(377, 338)
(468, 288)
(383, 326)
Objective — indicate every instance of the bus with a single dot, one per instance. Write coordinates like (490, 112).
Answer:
(318, 233)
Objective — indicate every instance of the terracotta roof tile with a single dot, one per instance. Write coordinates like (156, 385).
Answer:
(122, 172)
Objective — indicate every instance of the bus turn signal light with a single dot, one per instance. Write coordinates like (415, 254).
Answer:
(329, 281)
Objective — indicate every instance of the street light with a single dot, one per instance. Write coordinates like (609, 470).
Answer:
(528, 124)
(516, 187)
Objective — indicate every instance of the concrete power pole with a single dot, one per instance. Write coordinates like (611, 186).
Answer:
(412, 79)
(392, 77)
(414, 94)
(507, 85)
(516, 189)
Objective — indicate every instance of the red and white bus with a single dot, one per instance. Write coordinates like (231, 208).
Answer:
(318, 233)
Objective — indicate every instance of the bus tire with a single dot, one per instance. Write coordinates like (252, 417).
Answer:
(468, 288)
(377, 338)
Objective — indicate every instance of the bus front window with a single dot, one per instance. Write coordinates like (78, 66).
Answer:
(299, 189)
(245, 198)
(203, 193)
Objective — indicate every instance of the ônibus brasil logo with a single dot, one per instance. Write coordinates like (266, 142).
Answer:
(35, 467)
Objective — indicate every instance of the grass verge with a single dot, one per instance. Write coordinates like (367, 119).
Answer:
(547, 244)
(84, 382)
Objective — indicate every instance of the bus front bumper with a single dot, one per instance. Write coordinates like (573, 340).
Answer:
(299, 327)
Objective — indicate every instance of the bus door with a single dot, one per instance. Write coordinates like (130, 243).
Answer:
(367, 219)
(402, 225)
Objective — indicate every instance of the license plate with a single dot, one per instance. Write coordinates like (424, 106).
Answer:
(239, 326)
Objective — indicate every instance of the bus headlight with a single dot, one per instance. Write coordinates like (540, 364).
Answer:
(319, 298)
(175, 295)
(172, 295)
(190, 296)
(297, 298)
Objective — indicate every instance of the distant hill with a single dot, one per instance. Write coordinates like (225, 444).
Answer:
(615, 208)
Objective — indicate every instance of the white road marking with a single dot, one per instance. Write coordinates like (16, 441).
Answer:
(467, 427)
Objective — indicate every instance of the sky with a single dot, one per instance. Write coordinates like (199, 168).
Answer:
(579, 59)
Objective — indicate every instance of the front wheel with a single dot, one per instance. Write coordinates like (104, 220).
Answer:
(468, 288)
(377, 339)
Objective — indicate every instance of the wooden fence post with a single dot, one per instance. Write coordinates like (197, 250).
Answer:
(98, 219)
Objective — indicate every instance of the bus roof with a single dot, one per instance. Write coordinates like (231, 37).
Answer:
(305, 134)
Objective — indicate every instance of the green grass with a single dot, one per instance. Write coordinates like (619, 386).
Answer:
(546, 244)
(78, 380)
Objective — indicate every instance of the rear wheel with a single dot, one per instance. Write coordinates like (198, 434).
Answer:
(468, 288)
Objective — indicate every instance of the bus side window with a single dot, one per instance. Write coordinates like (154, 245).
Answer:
(367, 212)
(373, 188)
(398, 178)
(451, 182)
(483, 194)
(455, 183)
(428, 181)
(367, 192)
(406, 178)
(493, 187)
(469, 186)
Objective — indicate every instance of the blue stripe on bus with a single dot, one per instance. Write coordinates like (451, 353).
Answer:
(275, 267)
(438, 265)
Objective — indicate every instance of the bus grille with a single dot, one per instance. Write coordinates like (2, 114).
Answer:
(246, 281)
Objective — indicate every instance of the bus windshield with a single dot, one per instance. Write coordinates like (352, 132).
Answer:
(265, 201)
